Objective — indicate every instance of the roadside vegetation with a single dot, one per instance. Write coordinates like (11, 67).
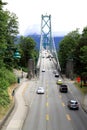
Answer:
(83, 89)
(8, 47)
(73, 53)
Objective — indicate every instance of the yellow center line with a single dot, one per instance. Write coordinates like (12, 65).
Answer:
(47, 96)
(47, 90)
(47, 104)
(63, 104)
(68, 117)
(46, 82)
(60, 96)
(47, 85)
(47, 117)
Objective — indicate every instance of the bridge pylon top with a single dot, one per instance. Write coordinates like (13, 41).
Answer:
(46, 31)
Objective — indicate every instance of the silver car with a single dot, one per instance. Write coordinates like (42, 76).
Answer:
(73, 104)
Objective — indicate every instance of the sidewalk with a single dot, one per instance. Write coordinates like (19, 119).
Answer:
(20, 108)
(82, 98)
(84, 104)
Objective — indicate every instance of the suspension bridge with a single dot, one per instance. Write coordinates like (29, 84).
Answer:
(47, 41)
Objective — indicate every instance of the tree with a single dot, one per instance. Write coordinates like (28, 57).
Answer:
(28, 51)
(8, 32)
(12, 27)
(81, 56)
(3, 29)
(67, 47)
(11, 33)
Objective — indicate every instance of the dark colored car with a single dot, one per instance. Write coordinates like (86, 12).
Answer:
(73, 104)
(56, 75)
(63, 88)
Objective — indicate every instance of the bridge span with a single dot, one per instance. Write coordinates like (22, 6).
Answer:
(47, 42)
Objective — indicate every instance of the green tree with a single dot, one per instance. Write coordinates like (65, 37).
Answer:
(11, 33)
(81, 56)
(3, 29)
(12, 27)
(67, 47)
(28, 51)
(8, 32)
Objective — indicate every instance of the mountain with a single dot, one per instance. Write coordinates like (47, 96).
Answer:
(58, 39)
(36, 38)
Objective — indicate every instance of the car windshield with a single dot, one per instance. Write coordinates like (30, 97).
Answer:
(40, 88)
(73, 102)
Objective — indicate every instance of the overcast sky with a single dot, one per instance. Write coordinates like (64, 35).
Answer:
(66, 15)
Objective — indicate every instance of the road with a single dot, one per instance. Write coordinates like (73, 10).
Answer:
(49, 111)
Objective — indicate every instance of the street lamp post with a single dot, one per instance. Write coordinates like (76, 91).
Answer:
(17, 56)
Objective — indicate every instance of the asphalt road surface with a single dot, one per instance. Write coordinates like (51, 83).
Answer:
(49, 111)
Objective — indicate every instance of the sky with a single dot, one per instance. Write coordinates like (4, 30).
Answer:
(66, 15)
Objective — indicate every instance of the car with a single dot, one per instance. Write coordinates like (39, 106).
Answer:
(43, 70)
(40, 90)
(63, 88)
(73, 104)
(59, 81)
(56, 75)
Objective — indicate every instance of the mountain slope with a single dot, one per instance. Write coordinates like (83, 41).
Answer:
(36, 37)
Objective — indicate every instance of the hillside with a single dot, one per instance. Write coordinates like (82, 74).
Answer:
(36, 37)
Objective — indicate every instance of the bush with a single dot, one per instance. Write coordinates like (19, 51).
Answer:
(4, 98)
(7, 78)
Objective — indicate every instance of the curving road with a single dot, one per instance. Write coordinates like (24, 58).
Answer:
(49, 111)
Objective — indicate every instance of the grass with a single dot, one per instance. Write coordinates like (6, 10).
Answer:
(4, 110)
(83, 89)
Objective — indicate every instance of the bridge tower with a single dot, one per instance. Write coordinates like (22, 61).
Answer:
(46, 33)
(46, 40)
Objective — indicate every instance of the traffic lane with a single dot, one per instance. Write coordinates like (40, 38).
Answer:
(78, 117)
(77, 94)
(36, 117)
(49, 65)
(45, 122)
(58, 118)
(74, 124)
(55, 118)
(29, 92)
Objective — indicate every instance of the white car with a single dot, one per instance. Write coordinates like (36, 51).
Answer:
(43, 70)
(40, 90)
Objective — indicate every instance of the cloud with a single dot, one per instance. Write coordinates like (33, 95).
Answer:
(35, 28)
(67, 15)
